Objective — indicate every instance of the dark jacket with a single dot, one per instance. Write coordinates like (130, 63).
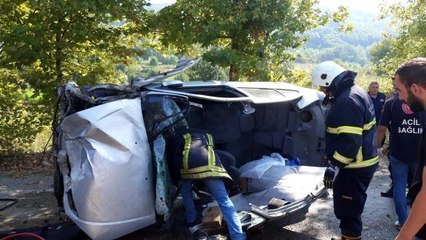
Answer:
(194, 156)
(351, 125)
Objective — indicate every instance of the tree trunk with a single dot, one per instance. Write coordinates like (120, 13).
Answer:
(58, 57)
(233, 73)
(233, 69)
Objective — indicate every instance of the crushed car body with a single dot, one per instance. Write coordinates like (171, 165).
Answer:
(112, 176)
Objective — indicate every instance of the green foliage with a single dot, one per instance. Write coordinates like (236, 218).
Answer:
(300, 74)
(22, 113)
(203, 71)
(249, 37)
(44, 44)
(153, 61)
(60, 40)
(379, 52)
(171, 60)
(298, 77)
(409, 19)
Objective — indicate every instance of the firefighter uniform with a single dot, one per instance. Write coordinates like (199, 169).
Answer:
(197, 160)
(350, 145)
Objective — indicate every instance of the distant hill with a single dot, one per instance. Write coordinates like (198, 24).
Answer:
(327, 42)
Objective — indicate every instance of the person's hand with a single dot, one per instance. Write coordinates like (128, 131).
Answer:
(385, 151)
(402, 237)
(330, 175)
(380, 151)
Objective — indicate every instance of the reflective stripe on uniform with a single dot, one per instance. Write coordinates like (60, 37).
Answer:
(211, 156)
(369, 125)
(206, 171)
(345, 129)
(341, 158)
(207, 174)
(201, 169)
(186, 149)
(351, 129)
(358, 157)
(359, 162)
(363, 164)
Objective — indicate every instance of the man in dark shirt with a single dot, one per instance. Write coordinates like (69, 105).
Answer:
(378, 99)
(405, 127)
(410, 83)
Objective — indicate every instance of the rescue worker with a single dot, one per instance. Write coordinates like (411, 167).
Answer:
(350, 144)
(410, 83)
(194, 155)
(378, 99)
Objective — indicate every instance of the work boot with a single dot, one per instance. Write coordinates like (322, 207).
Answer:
(388, 193)
(346, 238)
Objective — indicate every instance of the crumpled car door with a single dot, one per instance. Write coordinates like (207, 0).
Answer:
(106, 163)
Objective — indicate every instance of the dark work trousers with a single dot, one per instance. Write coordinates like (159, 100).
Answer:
(349, 196)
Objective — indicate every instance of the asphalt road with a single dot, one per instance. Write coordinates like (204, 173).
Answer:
(37, 207)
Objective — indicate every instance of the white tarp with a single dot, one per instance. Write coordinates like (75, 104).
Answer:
(290, 183)
(256, 169)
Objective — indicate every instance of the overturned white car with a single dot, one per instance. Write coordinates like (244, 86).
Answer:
(111, 173)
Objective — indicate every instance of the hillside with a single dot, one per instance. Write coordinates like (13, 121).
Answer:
(328, 42)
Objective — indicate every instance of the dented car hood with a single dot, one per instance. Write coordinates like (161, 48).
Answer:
(107, 152)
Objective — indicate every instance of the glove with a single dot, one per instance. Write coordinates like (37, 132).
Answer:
(329, 176)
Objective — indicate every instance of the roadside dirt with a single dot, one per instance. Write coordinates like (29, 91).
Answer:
(29, 181)
(26, 193)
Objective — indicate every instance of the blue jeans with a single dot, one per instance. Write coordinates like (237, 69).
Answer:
(400, 171)
(218, 190)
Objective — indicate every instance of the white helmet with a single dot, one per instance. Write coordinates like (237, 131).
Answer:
(325, 72)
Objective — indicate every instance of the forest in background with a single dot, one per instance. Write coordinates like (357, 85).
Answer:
(44, 44)
(327, 42)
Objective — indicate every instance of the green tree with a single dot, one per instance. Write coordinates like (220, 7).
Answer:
(379, 53)
(252, 38)
(44, 44)
(153, 61)
(172, 60)
(204, 71)
(20, 111)
(409, 20)
(56, 40)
